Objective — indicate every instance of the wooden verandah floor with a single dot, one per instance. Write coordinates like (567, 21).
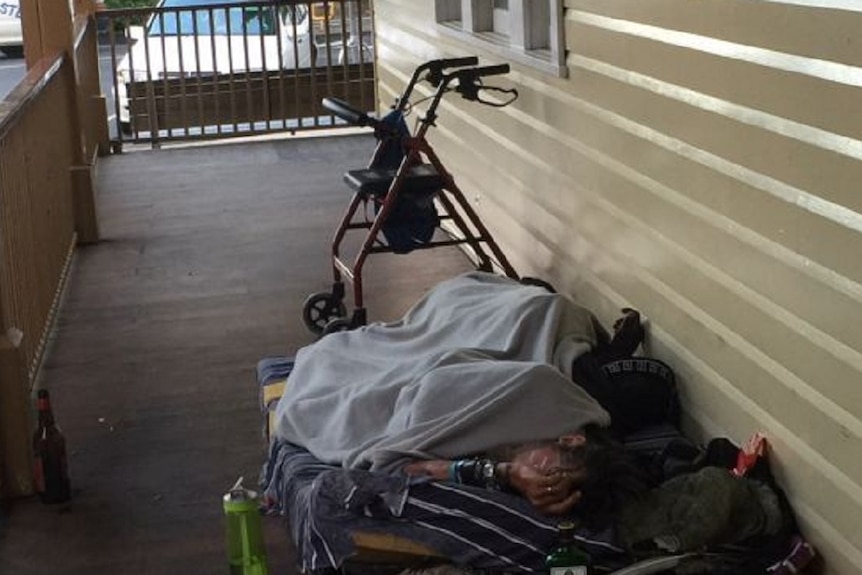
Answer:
(207, 256)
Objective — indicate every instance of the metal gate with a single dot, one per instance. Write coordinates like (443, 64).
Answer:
(197, 69)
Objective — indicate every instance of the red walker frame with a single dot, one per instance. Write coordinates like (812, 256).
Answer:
(324, 312)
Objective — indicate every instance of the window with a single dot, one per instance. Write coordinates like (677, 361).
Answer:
(528, 31)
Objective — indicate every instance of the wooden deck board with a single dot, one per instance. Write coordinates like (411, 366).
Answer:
(207, 257)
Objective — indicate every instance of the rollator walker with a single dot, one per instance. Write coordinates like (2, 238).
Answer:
(410, 190)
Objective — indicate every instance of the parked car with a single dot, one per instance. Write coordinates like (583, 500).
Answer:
(11, 38)
(195, 42)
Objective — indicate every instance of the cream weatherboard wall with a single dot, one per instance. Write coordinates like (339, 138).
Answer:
(701, 161)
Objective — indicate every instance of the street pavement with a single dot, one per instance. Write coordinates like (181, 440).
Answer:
(12, 70)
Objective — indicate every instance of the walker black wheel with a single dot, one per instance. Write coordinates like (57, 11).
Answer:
(319, 309)
(337, 324)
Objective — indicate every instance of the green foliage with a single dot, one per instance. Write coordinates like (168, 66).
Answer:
(130, 3)
(120, 24)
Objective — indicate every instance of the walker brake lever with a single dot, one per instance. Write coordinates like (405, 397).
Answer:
(470, 89)
(512, 91)
(436, 67)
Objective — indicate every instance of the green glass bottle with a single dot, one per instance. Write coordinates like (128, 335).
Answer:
(568, 558)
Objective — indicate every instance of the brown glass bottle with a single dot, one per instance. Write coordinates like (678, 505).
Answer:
(568, 558)
(50, 469)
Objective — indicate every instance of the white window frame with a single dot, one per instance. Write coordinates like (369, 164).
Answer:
(527, 41)
(500, 20)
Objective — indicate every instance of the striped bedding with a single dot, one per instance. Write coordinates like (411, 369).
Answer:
(331, 511)
(335, 514)
(469, 526)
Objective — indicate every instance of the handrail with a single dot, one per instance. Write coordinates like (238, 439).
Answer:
(46, 190)
(37, 77)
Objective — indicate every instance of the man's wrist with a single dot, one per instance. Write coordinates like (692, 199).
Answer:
(479, 472)
(503, 470)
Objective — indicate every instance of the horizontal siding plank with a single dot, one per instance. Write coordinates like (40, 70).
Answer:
(804, 354)
(799, 165)
(726, 194)
(794, 213)
(789, 282)
(772, 25)
(736, 88)
(706, 188)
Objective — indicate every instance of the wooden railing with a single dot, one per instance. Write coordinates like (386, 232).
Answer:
(37, 236)
(266, 102)
(50, 134)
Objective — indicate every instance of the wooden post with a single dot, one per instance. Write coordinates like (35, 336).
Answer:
(94, 117)
(16, 456)
(47, 26)
(31, 31)
(48, 31)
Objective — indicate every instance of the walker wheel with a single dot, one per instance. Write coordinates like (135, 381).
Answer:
(319, 309)
(337, 324)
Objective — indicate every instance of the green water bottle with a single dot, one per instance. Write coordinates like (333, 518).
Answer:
(245, 546)
(568, 558)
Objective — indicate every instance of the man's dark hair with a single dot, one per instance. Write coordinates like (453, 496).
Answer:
(531, 281)
(612, 479)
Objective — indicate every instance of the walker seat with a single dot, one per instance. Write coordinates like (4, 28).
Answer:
(421, 179)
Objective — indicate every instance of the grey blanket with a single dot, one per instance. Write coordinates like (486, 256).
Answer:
(481, 361)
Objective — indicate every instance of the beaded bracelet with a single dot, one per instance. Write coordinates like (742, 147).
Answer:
(478, 472)
(454, 470)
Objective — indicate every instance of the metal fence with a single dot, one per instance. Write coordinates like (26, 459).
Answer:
(195, 69)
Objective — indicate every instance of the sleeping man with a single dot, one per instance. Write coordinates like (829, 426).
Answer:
(480, 362)
(458, 426)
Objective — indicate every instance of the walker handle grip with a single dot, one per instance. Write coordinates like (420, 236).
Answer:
(458, 62)
(348, 113)
(487, 70)
(470, 75)
(435, 67)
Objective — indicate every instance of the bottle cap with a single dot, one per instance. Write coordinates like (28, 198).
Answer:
(42, 401)
(240, 499)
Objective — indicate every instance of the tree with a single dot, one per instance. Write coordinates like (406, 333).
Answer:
(130, 3)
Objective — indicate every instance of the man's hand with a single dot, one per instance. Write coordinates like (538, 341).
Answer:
(552, 493)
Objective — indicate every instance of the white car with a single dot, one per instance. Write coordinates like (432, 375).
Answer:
(357, 26)
(207, 41)
(11, 39)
